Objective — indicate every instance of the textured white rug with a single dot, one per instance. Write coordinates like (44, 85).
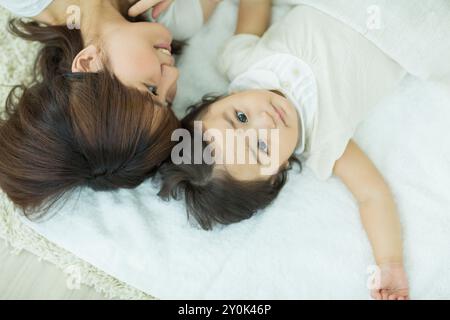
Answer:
(309, 244)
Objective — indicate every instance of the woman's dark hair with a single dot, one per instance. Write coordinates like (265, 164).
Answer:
(216, 198)
(68, 130)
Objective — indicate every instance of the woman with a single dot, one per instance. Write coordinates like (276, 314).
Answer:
(137, 53)
(96, 114)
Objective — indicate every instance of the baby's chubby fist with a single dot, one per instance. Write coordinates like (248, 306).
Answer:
(391, 282)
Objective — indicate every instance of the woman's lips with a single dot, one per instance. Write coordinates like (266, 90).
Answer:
(166, 51)
(165, 45)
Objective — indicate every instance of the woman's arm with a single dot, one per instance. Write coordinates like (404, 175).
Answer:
(378, 213)
(254, 17)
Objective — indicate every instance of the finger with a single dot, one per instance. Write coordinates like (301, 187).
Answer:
(384, 295)
(392, 297)
(160, 8)
(142, 6)
(400, 293)
(376, 294)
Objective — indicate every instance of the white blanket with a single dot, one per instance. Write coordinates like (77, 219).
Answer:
(404, 29)
(310, 243)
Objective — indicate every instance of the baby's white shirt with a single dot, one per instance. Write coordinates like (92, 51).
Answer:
(351, 73)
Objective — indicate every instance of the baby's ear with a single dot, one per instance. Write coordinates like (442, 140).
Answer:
(87, 60)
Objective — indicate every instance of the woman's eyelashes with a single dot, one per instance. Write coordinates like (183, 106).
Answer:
(241, 116)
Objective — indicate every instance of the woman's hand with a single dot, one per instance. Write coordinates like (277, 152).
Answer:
(393, 283)
(143, 6)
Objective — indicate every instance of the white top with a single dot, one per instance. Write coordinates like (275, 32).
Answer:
(25, 8)
(352, 76)
(183, 18)
(291, 76)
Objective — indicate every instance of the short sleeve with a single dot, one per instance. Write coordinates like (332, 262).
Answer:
(183, 18)
(26, 8)
(238, 55)
(325, 154)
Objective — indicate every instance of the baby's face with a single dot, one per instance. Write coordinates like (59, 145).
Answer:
(268, 124)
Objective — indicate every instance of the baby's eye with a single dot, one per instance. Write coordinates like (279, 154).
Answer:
(242, 117)
(153, 90)
(263, 146)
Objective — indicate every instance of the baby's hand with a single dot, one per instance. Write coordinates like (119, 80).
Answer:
(143, 6)
(393, 283)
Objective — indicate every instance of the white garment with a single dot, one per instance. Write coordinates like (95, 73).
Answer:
(404, 29)
(292, 77)
(183, 18)
(352, 76)
(25, 8)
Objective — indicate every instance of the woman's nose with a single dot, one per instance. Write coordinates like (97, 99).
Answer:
(167, 85)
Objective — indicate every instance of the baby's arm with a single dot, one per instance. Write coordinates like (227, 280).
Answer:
(379, 217)
(254, 17)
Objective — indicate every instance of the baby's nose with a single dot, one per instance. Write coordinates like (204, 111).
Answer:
(265, 121)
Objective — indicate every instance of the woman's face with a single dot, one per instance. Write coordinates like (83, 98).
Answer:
(139, 55)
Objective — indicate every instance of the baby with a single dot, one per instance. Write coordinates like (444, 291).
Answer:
(297, 93)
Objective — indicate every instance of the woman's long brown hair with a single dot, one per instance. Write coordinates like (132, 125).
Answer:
(70, 130)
